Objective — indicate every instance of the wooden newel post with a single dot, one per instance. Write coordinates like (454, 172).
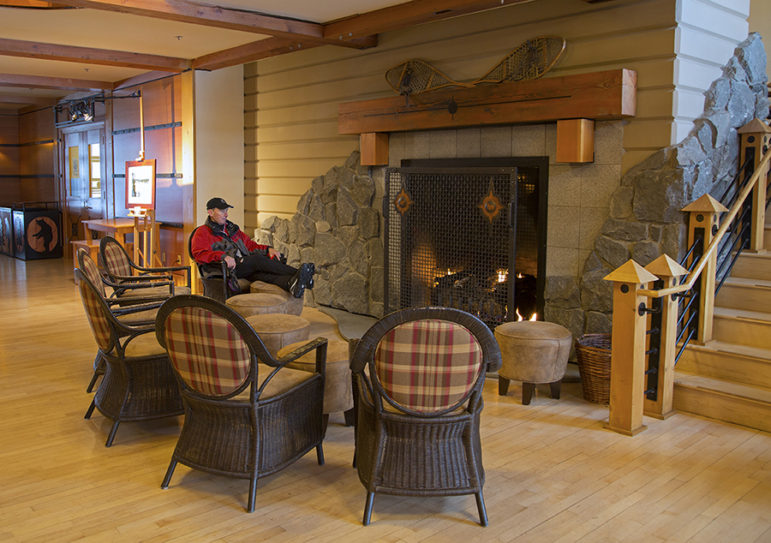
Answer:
(627, 363)
(704, 215)
(668, 271)
(755, 135)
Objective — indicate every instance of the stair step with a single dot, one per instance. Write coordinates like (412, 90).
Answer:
(729, 362)
(743, 293)
(753, 265)
(750, 328)
(730, 402)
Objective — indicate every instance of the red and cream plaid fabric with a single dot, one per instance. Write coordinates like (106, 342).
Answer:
(207, 351)
(99, 322)
(116, 261)
(428, 365)
(92, 272)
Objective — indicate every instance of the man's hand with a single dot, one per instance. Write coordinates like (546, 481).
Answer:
(230, 261)
(272, 253)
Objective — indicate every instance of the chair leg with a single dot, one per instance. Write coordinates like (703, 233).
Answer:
(368, 508)
(481, 508)
(113, 430)
(555, 389)
(90, 410)
(527, 392)
(503, 386)
(252, 494)
(169, 473)
(320, 454)
(91, 384)
(350, 419)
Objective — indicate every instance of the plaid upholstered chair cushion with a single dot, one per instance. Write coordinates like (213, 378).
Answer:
(116, 261)
(92, 272)
(428, 365)
(207, 351)
(97, 318)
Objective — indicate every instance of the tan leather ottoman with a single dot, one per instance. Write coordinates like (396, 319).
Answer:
(532, 352)
(256, 304)
(277, 330)
(337, 384)
(294, 306)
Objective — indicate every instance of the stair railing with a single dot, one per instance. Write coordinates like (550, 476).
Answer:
(649, 324)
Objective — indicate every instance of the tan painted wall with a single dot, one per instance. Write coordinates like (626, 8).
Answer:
(760, 22)
(291, 101)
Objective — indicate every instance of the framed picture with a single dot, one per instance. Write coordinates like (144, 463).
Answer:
(140, 184)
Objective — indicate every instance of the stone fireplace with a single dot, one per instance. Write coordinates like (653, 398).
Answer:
(339, 222)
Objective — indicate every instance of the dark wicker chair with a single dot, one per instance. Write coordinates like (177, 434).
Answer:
(247, 415)
(158, 282)
(140, 314)
(419, 375)
(138, 382)
(213, 278)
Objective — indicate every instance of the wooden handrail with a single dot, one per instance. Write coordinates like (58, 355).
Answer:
(726, 223)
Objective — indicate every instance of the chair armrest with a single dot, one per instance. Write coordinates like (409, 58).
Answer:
(146, 278)
(152, 303)
(301, 350)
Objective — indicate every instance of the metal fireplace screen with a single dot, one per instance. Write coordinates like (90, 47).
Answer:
(450, 239)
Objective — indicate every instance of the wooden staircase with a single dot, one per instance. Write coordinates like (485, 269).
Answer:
(729, 378)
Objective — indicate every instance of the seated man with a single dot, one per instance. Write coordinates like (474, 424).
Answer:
(220, 240)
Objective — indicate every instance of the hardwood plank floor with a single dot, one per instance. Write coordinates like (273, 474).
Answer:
(553, 473)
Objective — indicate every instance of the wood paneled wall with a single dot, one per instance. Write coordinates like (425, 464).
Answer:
(291, 101)
(27, 156)
(163, 142)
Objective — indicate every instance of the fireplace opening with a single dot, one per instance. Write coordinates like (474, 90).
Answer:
(468, 234)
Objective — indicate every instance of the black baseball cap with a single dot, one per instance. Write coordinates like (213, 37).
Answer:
(217, 203)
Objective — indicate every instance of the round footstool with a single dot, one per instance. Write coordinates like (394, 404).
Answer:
(256, 304)
(294, 306)
(532, 352)
(277, 330)
(337, 383)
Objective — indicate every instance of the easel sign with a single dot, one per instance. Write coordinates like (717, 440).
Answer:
(140, 203)
(140, 184)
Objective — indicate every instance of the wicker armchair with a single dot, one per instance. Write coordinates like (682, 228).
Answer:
(213, 276)
(157, 283)
(140, 314)
(247, 415)
(419, 375)
(138, 383)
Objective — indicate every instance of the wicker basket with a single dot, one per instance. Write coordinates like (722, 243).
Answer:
(593, 353)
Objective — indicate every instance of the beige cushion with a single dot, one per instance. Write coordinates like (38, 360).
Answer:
(144, 345)
(294, 306)
(283, 381)
(256, 304)
(147, 316)
(153, 292)
(533, 351)
(337, 385)
(279, 330)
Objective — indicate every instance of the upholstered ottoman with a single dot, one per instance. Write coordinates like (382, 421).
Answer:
(277, 330)
(337, 385)
(256, 304)
(294, 306)
(532, 352)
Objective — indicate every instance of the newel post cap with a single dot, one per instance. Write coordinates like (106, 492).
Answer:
(630, 272)
(705, 204)
(664, 266)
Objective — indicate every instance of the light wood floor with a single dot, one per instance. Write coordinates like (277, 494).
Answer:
(553, 473)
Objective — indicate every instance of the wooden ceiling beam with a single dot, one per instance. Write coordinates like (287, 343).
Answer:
(88, 55)
(406, 14)
(248, 53)
(233, 19)
(39, 82)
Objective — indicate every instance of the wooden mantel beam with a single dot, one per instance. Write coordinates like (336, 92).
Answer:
(599, 96)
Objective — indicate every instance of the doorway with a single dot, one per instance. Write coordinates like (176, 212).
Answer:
(82, 194)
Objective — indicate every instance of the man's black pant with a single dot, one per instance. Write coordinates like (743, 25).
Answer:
(258, 267)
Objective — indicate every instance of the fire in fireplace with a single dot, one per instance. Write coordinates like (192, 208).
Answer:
(467, 233)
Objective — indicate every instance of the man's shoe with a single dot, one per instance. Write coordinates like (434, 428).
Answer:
(301, 279)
